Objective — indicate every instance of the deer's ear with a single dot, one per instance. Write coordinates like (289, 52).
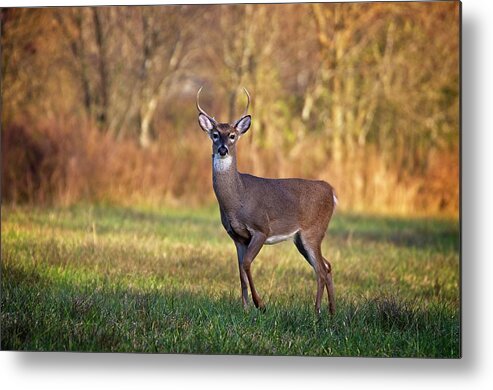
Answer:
(206, 123)
(243, 124)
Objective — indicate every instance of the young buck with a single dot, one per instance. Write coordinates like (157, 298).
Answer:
(256, 211)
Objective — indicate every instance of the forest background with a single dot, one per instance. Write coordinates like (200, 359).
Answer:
(98, 104)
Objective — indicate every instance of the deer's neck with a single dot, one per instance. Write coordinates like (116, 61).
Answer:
(227, 182)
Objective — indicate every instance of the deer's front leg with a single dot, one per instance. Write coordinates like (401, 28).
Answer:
(253, 248)
(240, 250)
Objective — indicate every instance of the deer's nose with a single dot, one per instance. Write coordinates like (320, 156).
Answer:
(222, 150)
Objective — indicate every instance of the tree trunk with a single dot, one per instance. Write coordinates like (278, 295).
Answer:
(102, 68)
(146, 120)
(81, 54)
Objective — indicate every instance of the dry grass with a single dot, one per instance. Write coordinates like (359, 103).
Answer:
(56, 165)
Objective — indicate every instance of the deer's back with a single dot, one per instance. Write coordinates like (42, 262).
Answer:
(288, 203)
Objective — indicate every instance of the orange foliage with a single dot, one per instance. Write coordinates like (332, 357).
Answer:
(56, 165)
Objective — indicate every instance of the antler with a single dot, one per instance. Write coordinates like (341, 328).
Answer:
(201, 110)
(198, 105)
(248, 102)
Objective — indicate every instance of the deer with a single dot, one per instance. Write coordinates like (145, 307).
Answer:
(257, 211)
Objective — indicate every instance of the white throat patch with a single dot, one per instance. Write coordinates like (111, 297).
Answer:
(221, 164)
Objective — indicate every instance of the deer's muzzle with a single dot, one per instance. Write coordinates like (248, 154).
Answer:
(222, 150)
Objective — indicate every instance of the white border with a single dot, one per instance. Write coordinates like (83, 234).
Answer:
(474, 370)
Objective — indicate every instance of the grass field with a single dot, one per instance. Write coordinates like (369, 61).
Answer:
(102, 278)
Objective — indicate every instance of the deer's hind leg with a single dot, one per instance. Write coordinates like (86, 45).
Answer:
(310, 247)
(305, 251)
(329, 283)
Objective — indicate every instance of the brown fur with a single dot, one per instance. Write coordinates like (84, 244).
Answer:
(254, 209)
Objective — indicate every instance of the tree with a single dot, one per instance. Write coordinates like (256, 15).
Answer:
(162, 47)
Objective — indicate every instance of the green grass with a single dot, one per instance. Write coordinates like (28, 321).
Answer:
(101, 278)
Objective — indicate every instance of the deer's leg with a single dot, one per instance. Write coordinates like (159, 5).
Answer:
(308, 252)
(256, 243)
(240, 250)
(309, 256)
(310, 248)
(320, 292)
(329, 283)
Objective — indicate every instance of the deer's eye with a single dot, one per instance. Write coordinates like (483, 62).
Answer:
(232, 136)
(215, 136)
